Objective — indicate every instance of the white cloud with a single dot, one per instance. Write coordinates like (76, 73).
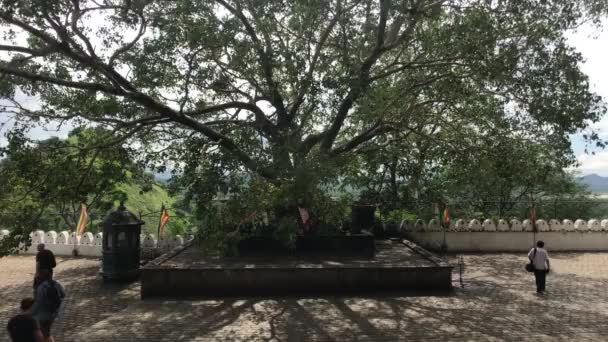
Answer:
(593, 45)
(597, 163)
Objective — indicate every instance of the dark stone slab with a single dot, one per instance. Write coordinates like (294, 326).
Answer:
(348, 245)
(334, 245)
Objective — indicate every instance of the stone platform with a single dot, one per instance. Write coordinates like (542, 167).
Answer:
(399, 265)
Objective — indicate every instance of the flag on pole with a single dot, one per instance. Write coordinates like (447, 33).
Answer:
(533, 218)
(445, 220)
(82, 221)
(305, 216)
(164, 218)
(248, 218)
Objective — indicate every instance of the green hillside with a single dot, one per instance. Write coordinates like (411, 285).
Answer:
(148, 205)
(146, 202)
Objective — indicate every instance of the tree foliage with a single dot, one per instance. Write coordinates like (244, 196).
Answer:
(292, 92)
(43, 184)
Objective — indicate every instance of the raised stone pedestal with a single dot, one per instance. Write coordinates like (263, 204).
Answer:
(397, 266)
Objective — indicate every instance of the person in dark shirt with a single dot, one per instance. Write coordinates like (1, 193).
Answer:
(23, 327)
(45, 259)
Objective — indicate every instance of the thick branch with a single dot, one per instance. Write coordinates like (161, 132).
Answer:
(308, 79)
(365, 136)
(228, 145)
(265, 125)
(265, 58)
(65, 83)
(361, 83)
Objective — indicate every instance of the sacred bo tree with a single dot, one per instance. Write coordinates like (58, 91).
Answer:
(281, 97)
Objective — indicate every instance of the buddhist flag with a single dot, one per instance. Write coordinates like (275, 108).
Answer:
(248, 219)
(82, 221)
(533, 218)
(445, 220)
(164, 218)
(305, 216)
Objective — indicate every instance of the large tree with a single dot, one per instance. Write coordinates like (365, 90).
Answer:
(291, 91)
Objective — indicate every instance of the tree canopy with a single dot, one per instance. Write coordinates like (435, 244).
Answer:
(293, 92)
(43, 184)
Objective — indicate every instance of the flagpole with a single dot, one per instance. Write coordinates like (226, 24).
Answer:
(445, 225)
(533, 219)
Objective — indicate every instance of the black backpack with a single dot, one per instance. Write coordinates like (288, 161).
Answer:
(54, 296)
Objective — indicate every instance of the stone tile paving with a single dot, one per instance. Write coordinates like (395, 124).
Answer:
(497, 303)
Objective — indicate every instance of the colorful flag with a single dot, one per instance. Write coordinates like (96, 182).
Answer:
(82, 221)
(305, 216)
(248, 219)
(445, 220)
(164, 218)
(533, 218)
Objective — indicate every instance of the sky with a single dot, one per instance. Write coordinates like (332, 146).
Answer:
(589, 40)
(593, 45)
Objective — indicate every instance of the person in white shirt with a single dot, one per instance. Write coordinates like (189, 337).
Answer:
(540, 258)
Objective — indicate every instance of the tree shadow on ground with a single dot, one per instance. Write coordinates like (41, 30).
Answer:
(496, 303)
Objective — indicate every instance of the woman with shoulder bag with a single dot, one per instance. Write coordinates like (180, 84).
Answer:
(539, 258)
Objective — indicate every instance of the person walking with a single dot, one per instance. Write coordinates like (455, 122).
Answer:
(540, 259)
(45, 259)
(49, 296)
(23, 327)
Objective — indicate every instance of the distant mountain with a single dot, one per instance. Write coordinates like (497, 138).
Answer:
(596, 183)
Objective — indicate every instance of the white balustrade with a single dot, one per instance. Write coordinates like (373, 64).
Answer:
(503, 226)
(475, 225)
(405, 227)
(419, 226)
(542, 226)
(50, 237)
(87, 239)
(461, 225)
(433, 226)
(555, 225)
(594, 225)
(516, 226)
(527, 224)
(63, 238)
(98, 239)
(149, 241)
(488, 226)
(580, 225)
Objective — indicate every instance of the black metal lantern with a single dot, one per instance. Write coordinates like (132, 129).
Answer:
(121, 245)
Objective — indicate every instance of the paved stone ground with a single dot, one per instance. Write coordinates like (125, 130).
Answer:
(496, 303)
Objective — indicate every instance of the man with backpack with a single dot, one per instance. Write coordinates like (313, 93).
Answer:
(49, 296)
